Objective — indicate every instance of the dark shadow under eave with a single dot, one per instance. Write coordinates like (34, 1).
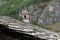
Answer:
(19, 35)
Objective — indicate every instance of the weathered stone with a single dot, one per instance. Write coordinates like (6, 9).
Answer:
(28, 28)
(51, 14)
(34, 11)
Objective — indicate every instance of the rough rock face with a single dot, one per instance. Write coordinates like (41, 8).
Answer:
(51, 14)
(39, 13)
(34, 11)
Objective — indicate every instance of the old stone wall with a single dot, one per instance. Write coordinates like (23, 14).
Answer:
(34, 11)
(51, 13)
(44, 12)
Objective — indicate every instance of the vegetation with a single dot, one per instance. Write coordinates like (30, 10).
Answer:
(11, 7)
(40, 25)
(55, 27)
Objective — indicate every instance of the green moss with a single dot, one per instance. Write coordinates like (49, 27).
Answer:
(49, 28)
(16, 17)
(57, 31)
(36, 23)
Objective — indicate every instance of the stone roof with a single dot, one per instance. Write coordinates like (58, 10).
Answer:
(28, 28)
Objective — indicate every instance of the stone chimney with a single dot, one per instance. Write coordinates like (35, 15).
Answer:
(25, 16)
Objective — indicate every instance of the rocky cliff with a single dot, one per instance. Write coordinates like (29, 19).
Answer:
(34, 11)
(51, 13)
(44, 12)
